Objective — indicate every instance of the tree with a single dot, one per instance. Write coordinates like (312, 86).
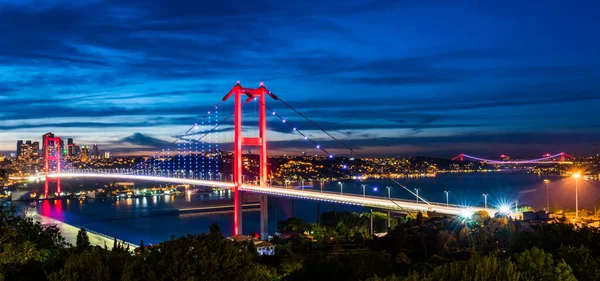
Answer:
(585, 266)
(535, 264)
(88, 265)
(525, 208)
(420, 220)
(83, 240)
(478, 268)
(197, 257)
(344, 266)
(480, 217)
(27, 250)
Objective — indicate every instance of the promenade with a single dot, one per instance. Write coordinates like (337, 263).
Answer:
(69, 232)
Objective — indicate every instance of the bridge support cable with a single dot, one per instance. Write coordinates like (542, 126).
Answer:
(305, 136)
(546, 159)
(331, 155)
(318, 127)
(410, 191)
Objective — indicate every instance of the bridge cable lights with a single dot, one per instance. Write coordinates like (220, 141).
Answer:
(192, 127)
(318, 127)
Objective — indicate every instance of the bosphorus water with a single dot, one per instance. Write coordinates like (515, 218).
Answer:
(154, 219)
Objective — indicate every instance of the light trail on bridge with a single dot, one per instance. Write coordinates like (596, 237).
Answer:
(383, 203)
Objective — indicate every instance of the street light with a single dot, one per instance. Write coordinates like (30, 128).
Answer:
(446, 197)
(547, 181)
(576, 176)
(389, 194)
(341, 187)
(364, 194)
(417, 190)
(485, 195)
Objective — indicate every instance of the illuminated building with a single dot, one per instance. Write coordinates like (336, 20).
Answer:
(85, 153)
(19, 144)
(95, 152)
(28, 150)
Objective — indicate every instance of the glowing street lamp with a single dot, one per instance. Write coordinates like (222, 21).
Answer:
(576, 176)
(485, 195)
(341, 187)
(505, 209)
(417, 191)
(547, 181)
(446, 197)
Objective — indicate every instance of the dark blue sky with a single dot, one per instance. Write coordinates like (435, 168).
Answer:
(389, 77)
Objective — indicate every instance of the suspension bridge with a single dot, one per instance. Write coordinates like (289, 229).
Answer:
(559, 158)
(194, 157)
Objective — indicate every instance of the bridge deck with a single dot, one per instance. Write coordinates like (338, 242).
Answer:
(383, 203)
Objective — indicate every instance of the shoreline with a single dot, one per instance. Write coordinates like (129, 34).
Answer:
(69, 232)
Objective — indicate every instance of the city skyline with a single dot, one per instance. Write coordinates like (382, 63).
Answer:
(388, 78)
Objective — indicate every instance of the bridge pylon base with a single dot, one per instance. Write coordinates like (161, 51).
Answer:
(264, 217)
(238, 230)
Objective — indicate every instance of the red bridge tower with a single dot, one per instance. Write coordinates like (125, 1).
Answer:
(260, 94)
(51, 161)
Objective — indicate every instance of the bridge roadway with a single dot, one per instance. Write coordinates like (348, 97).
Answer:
(375, 202)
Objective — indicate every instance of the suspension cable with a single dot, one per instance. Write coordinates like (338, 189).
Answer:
(319, 127)
(322, 149)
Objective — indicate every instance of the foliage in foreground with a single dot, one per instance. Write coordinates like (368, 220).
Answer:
(415, 250)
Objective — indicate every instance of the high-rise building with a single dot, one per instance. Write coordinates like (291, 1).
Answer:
(63, 148)
(106, 155)
(70, 141)
(28, 150)
(44, 136)
(95, 152)
(85, 153)
(35, 147)
(74, 151)
(19, 144)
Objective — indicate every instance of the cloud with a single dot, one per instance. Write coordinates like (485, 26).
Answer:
(140, 139)
(366, 69)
